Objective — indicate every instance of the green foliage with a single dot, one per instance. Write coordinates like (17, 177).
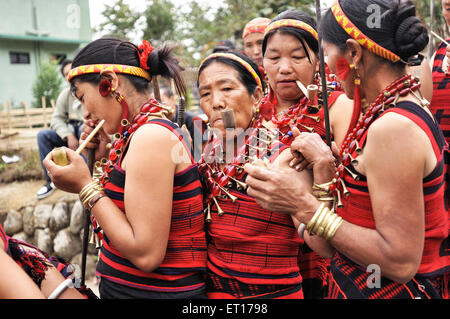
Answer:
(120, 20)
(423, 12)
(197, 28)
(198, 24)
(47, 83)
(161, 21)
(271, 8)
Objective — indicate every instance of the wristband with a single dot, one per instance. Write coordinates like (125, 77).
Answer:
(61, 288)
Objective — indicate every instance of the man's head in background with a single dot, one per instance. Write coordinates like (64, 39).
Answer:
(66, 66)
(253, 37)
(224, 46)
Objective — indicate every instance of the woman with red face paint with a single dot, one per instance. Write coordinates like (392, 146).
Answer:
(148, 200)
(387, 231)
(290, 51)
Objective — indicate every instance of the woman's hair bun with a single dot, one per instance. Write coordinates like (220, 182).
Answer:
(153, 62)
(411, 36)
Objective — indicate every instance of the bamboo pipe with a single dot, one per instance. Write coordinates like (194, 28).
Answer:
(439, 38)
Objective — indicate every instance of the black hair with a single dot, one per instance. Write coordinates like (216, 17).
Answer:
(63, 64)
(224, 46)
(302, 35)
(116, 51)
(245, 76)
(398, 30)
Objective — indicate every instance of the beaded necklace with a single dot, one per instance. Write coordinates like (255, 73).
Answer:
(219, 181)
(352, 143)
(150, 108)
(301, 115)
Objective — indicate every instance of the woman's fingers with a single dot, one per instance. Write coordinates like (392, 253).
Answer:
(257, 172)
(72, 177)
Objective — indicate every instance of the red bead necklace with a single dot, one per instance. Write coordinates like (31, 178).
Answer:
(219, 181)
(150, 108)
(292, 113)
(300, 115)
(351, 146)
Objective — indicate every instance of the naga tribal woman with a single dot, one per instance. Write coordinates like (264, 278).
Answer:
(290, 51)
(387, 230)
(252, 252)
(147, 203)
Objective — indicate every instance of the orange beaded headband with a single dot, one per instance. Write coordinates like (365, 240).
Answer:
(116, 68)
(291, 23)
(257, 25)
(247, 66)
(357, 35)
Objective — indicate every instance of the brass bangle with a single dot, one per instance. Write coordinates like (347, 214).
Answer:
(323, 187)
(86, 194)
(320, 220)
(330, 222)
(326, 219)
(318, 193)
(92, 185)
(84, 190)
(324, 223)
(313, 220)
(322, 192)
(325, 199)
(91, 203)
(86, 200)
(90, 190)
(333, 228)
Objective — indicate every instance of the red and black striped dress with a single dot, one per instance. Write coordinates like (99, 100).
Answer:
(348, 280)
(440, 103)
(4, 239)
(33, 260)
(252, 252)
(182, 269)
(313, 268)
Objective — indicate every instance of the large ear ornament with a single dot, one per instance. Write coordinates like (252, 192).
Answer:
(104, 87)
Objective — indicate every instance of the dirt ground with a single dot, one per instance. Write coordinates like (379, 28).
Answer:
(17, 195)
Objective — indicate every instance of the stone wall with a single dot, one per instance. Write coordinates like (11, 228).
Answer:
(56, 229)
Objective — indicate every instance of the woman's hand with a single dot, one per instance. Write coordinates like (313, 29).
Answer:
(310, 152)
(282, 191)
(98, 142)
(72, 177)
(308, 149)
